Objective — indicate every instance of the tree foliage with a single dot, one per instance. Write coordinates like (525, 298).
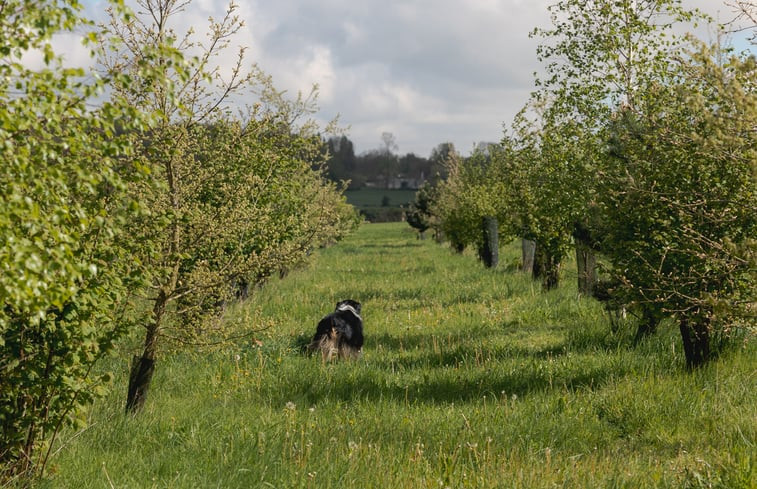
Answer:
(680, 195)
(66, 252)
(543, 173)
(157, 193)
(638, 145)
(464, 198)
(542, 181)
(615, 66)
(745, 18)
(380, 166)
(600, 53)
(341, 163)
(240, 198)
(419, 215)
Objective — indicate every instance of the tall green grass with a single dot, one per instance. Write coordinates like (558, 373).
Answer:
(469, 378)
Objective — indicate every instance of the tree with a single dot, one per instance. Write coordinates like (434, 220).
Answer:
(538, 169)
(745, 19)
(388, 162)
(419, 215)
(600, 53)
(415, 167)
(680, 194)
(467, 196)
(238, 200)
(390, 143)
(439, 155)
(599, 56)
(66, 247)
(341, 162)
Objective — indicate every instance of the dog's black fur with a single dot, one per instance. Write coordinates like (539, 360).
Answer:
(340, 334)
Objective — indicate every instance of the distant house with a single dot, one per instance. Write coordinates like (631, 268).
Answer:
(405, 183)
(399, 182)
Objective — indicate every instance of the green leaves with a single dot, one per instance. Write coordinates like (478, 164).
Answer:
(65, 268)
(600, 53)
(681, 203)
(230, 201)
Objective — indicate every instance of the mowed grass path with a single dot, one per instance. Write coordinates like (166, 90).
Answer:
(469, 378)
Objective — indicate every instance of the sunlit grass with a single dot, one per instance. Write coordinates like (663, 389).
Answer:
(469, 378)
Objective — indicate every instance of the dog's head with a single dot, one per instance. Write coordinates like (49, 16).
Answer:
(348, 304)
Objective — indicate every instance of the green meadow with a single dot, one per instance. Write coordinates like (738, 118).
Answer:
(380, 205)
(376, 197)
(469, 378)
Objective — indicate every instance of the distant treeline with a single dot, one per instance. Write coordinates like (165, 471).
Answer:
(382, 167)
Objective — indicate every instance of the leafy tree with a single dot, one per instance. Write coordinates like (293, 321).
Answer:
(465, 198)
(368, 166)
(413, 166)
(387, 161)
(380, 165)
(239, 198)
(419, 215)
(341, 163)
(612, 66)
(599, 55)
(439, 155)
(66, 248)
(538, 168)
(680, 194)
(745, 19)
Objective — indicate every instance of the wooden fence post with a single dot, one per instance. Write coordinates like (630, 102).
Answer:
(528, 248)
(586, 261)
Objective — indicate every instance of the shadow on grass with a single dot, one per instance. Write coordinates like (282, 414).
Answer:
(368, 294)
(412, 341)
(392, 245)
(460, 367)
(465, 357)
(448, 385)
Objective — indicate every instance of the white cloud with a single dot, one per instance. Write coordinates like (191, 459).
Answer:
(68, 46)
(300, 72)
(428, 71)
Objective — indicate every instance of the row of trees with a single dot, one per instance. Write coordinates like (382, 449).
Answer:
(640, 145)
(382, 166)
(136, 197)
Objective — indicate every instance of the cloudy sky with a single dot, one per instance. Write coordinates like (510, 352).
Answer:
(427, 71)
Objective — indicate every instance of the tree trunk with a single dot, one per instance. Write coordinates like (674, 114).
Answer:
(143, 367)
(647, 326)
(538, 268)
(489, 251)
(140, 378)
(457, 245)
(695, 333)
(528, 248)
(586, 261)
(546, 267)
(242, 289)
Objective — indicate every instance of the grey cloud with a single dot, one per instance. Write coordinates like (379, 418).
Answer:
(461, 62)
(428, 71)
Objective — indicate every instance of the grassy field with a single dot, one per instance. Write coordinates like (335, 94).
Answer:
(374, 197)
(380, 205)
(469, 378)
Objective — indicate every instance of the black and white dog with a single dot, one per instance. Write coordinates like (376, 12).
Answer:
(340, 334)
